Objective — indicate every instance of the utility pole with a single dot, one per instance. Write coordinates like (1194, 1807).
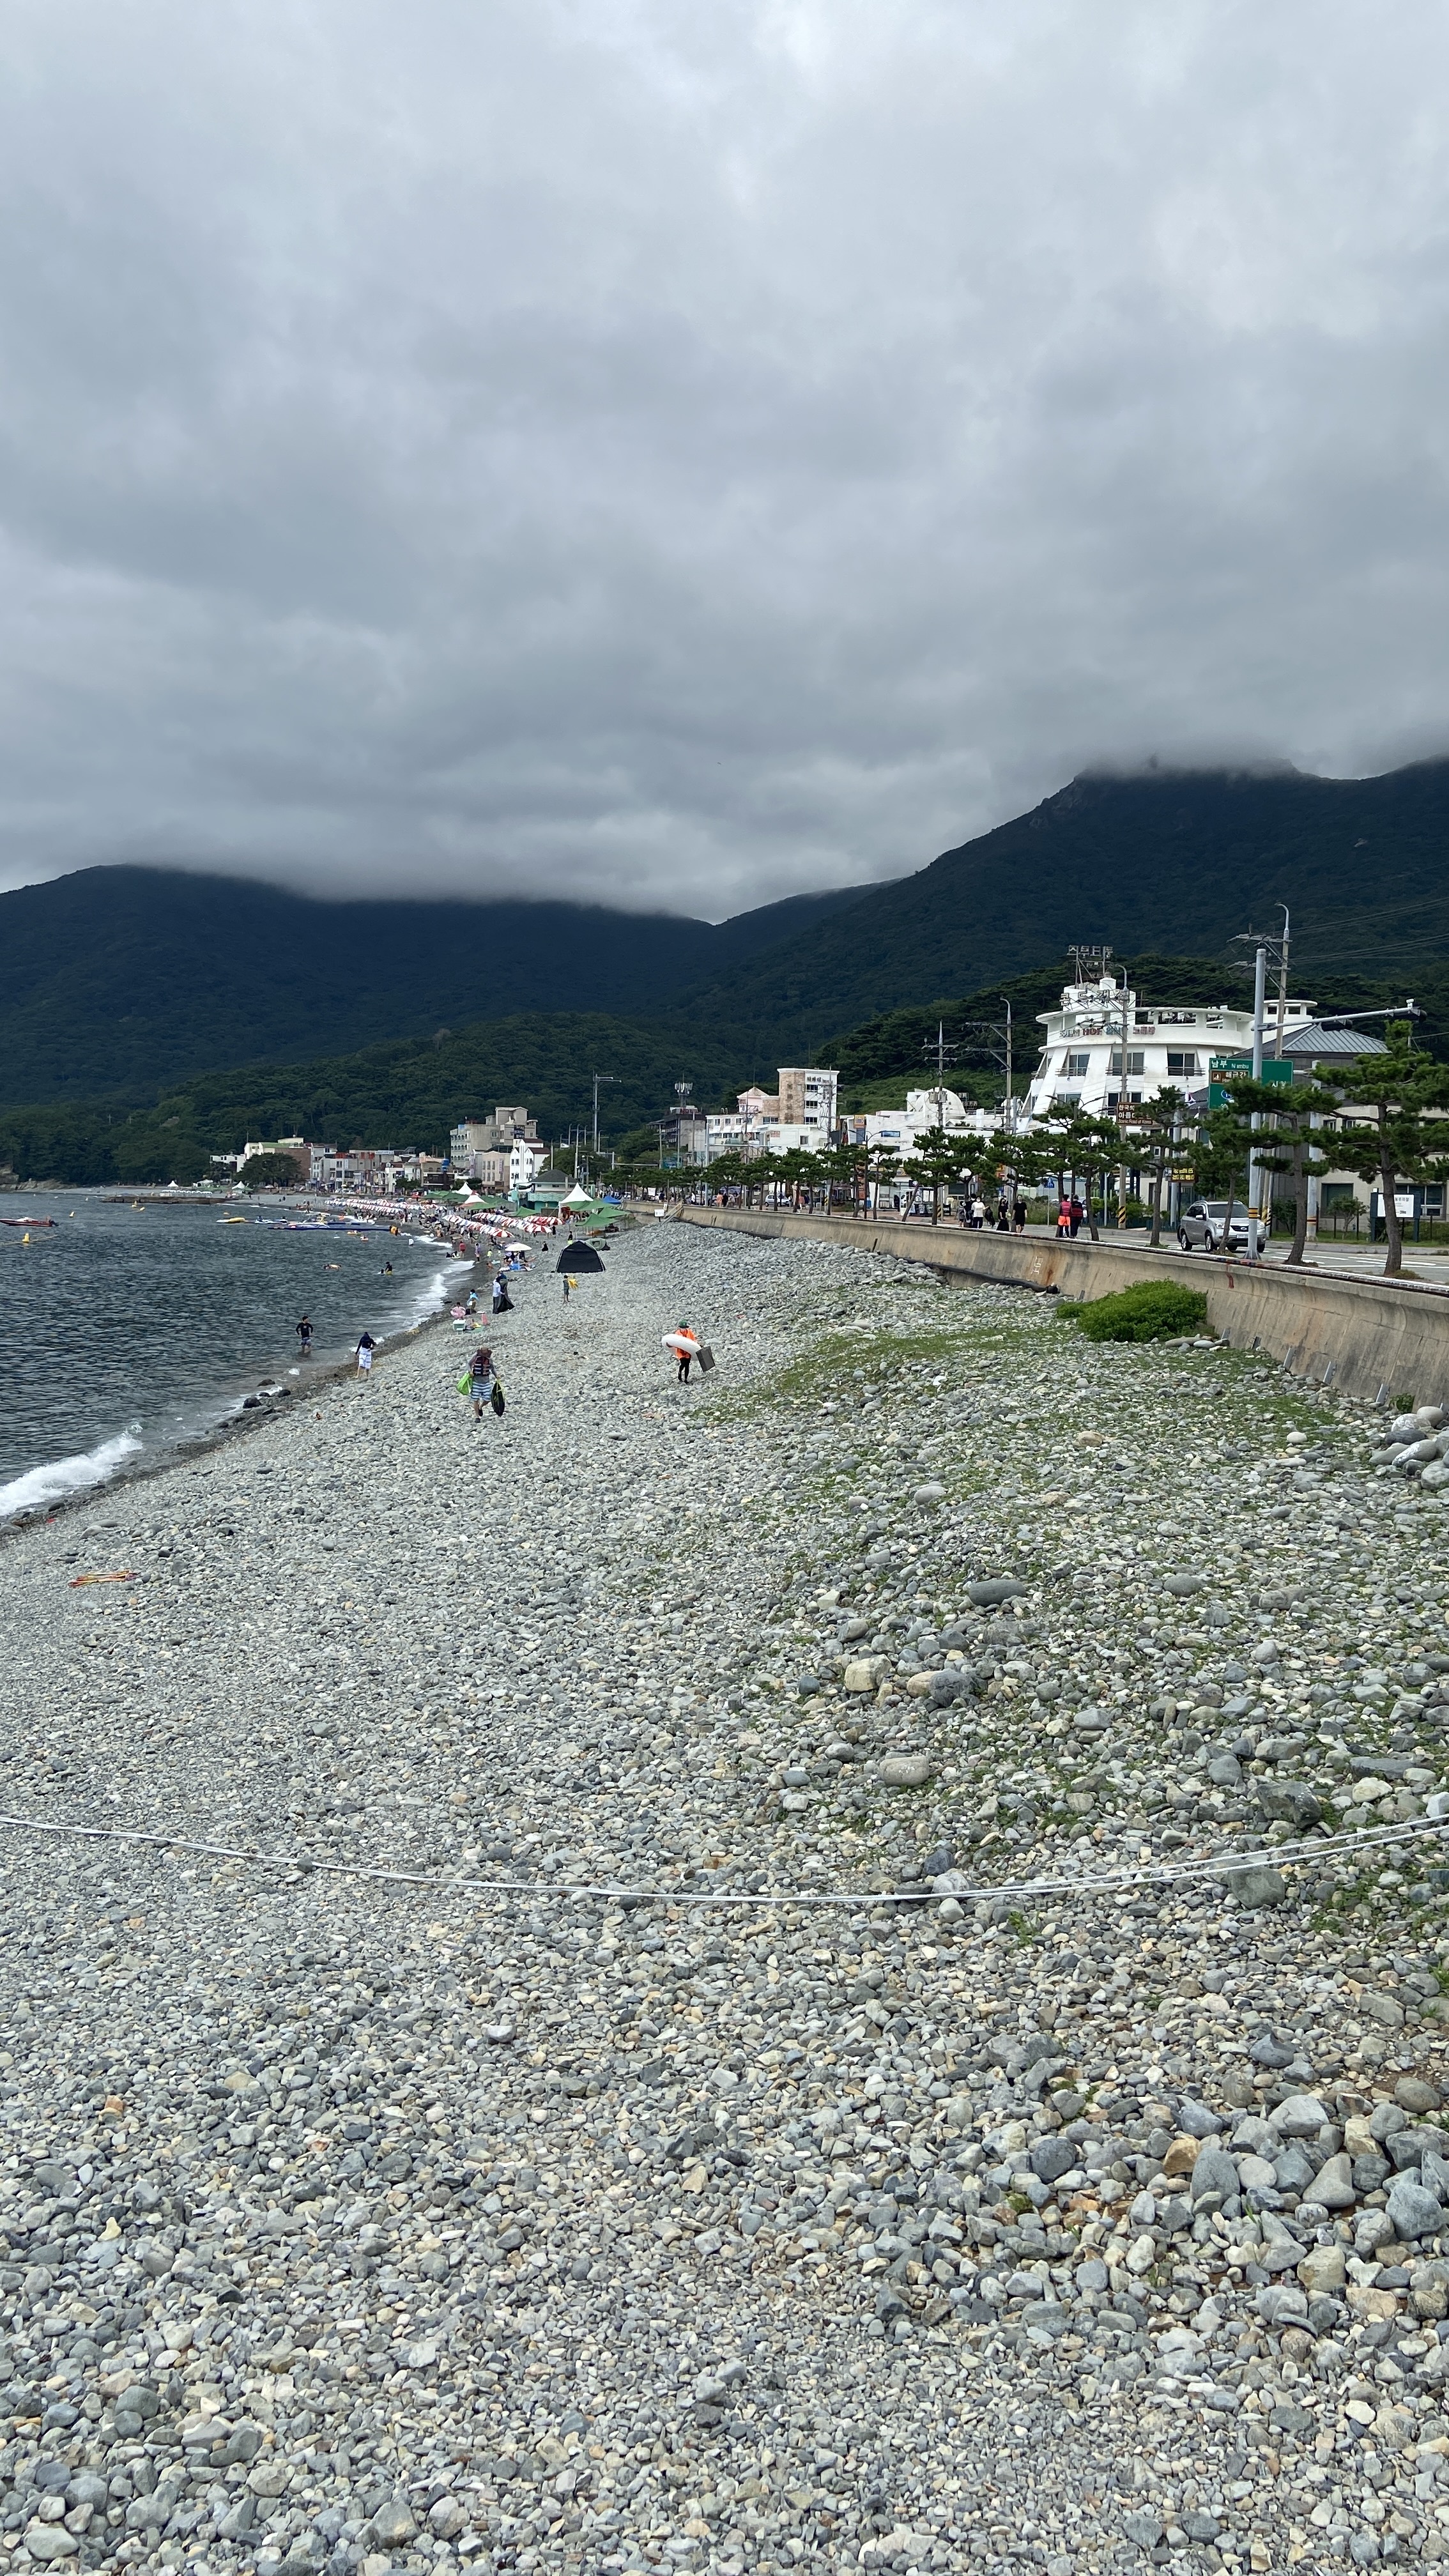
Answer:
(1260, 990)
(682, 1091)
(597, 1079)
(1267, 947)
(1282, 982)
(993, 1038)
(941, 1051)
(1122, 1110)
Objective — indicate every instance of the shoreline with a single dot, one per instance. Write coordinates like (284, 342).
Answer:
(246, 1419)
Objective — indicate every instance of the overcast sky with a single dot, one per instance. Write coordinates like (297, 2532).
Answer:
(686, 455)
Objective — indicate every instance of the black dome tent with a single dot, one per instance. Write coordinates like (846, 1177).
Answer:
(579, 1256)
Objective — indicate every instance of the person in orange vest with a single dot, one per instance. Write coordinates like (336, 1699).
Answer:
(684, 1345)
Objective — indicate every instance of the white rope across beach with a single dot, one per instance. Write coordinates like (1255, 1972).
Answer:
(1173, 1873)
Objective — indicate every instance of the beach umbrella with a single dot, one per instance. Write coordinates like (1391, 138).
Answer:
(579, 1256)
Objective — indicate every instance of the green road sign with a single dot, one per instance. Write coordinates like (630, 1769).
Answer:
(1276, 1068)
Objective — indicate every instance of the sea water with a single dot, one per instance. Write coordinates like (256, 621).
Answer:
(126, 1330)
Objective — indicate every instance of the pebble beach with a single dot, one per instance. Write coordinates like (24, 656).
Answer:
(613, 2055)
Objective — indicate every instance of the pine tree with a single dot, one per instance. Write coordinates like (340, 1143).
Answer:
(940, 1161)
(1159, 1126)
(1084, 1148)
(1286, 1141)
(1392, 1123)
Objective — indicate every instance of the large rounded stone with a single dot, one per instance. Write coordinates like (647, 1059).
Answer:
(1301, 2116)
(1322, 2270)
(1051, 2158)
(1415, 2212)
(1254, 1888)
(905, 1770)
(1289, 1802)
(1214, 2171)
(1333, 2183)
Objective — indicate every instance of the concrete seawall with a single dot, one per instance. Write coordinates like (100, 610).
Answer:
(1363, 1335)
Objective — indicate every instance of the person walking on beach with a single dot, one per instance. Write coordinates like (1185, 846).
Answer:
(304, 1336)
(684, 1344)
(568, 1287)
(365, 1349)
(481, 1380)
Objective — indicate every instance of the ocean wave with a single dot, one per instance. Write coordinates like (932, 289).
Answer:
(62, 1476)
(433, 1295)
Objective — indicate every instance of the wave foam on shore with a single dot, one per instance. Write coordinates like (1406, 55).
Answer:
(60, 1477)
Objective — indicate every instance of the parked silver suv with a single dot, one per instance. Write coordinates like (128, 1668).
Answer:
(1218, 1225)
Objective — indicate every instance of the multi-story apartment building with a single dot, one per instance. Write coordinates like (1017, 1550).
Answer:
(475, 1138)
(801, 1113)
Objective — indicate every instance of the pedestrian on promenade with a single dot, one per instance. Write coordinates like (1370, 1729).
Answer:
(978, 1212)
(1077, 1214)
(1018, 1216)
(304, 1336)
(365, 1349)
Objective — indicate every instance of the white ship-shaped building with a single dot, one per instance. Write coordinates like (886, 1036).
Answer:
(1166, 1045)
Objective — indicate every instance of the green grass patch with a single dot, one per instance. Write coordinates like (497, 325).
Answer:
(1155, 1311)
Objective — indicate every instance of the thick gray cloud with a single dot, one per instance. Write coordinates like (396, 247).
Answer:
(678, 455)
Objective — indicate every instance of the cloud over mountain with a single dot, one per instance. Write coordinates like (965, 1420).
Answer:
(677, 456)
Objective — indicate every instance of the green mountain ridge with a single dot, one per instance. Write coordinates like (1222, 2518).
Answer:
(129, 980)
(1169, 862)
(138, 991)
(412, 1090)
(406, 1093)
